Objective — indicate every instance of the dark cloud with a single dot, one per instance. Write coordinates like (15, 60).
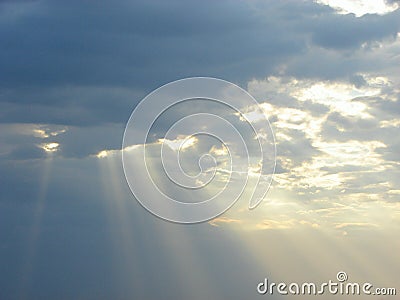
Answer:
(299, 149)
(142, 43)
(86, 63)
(344, 128)
(357, 80)
(23, 152)
(392, 1)
(93, 44)
(346, 32)
(81, 142)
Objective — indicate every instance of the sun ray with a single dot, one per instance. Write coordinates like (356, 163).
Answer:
(35, 228)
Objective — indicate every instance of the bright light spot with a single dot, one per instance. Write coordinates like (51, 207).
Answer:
(40, 133)
(293, 115)
(360, 7)
(255, 170)
(219, 151)
(181, 143)
(216, 222)
(277, 224)
(55, 133)
(45, 131)
(378, 81)
(50, 147)
(350, 150)
(291, 118)
(338, 96)
(112, 153)
(391, 123)
(252, 116)
(359, 224)
(102, 154)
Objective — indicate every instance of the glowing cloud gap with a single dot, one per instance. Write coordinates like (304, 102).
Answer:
(251, 155)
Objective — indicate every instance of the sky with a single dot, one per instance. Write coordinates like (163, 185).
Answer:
(325, 74)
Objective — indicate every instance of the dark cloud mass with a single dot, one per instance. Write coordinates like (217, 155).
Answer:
(344, 32)
(55, 55)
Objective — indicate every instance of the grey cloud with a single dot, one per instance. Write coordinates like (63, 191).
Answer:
(279, 169)
(316, 109)
(299, 149)
(330, 64)
(392, 1)
(357, 80)
(74, 142)
(392, 152)
(91, 44)
(343, 128)
(23, 152)
(81, 106)
(347, 31)
(56, 56)
(81, 142)
(117, 45)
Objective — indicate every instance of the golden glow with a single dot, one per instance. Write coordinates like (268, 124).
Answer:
(102, 154)
(221, 220)
(338, 96)
(109, 153)
(181, 143)
(219, 151)
(391, 123)
(40, 133)
(50, 147)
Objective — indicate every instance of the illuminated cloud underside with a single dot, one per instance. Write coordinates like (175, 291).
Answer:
(360, 7)
(332, 184)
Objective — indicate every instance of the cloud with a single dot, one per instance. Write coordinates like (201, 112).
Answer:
(72, 141)
(360, 8)
(355, 225)
(84, 68)
(324, 150)
(285, 224)
(126, 43)
(223, 220)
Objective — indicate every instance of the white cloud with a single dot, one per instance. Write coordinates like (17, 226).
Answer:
(181, 143)
(360, 7)
(50, 147)
(340, 177)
